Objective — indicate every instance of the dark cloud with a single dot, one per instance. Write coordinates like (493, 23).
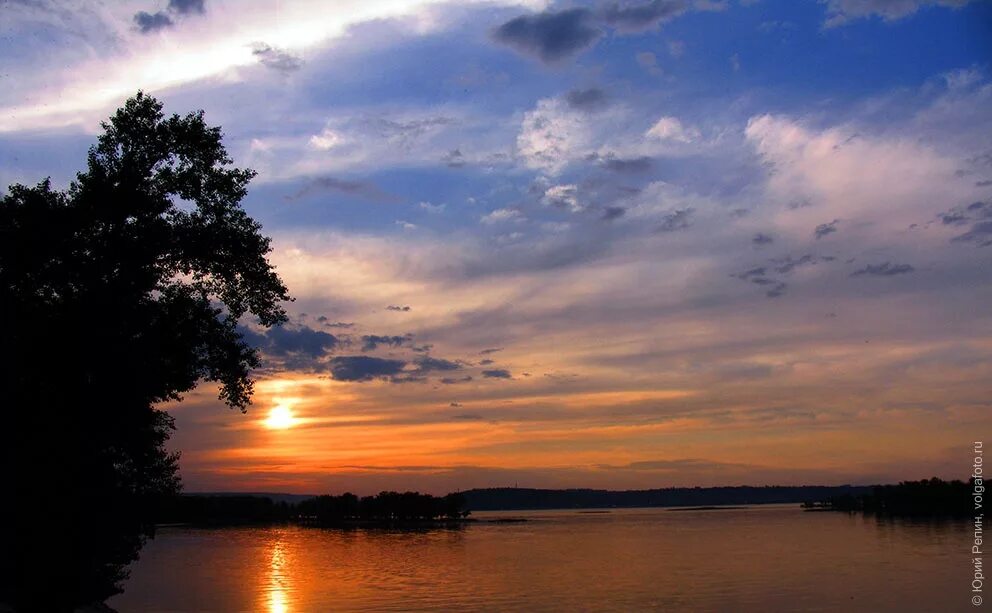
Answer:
(885, 269)
(977, 214)
(364, 368)
(152, 22)
(401, 133)
(639, 17)
(284, 341)
(758, 276)
(454, 158)
(426, 364)
(394, 307)
(497, 373)
(549, 37)
(588, 100)
(765, 276)
(747, 275)
(490, 350)
(776, 290)
(787, 264)
(371, 342)
(186, 7)
(453, 380)
(486, 362)
(954, 218)
(673, 222)
(613, 212)
(980, 234)
(825, 228)
(762, 239)
(361, 189)
(632, 165)
(276, 59)
(334, 324)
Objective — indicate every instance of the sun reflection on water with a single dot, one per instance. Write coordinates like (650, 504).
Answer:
(278, 581)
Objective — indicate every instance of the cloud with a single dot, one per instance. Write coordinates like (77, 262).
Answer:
(840, 12)
(636, 165)
(364, 368)
(455, 380)
(490, 350)
(825, 228)
(977, 214)
(552, 135)
(282, 61)
(371, 342)
(185, 7)
(563, 197)
(427, 364)
(288, 340)
(885, 269)
(671, 129)
(431, 208)
(787, 264)
(980, 234)
(549, 37)
(762, 239)
(881, 183)
(361, 189)
(152, 22)
(758, 276)
(497, 373)
(587, 100)
(613, 212)
(675, 221)
(453, 158)
(326, 140)
(769, 276)
(641, 17)
(501, 215)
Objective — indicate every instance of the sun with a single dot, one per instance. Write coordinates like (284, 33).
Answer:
(280, 418)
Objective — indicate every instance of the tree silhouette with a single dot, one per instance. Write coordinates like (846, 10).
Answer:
(118, 294)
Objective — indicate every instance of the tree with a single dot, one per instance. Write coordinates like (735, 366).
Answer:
(118, 294)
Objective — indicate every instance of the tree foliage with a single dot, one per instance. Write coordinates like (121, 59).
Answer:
(118, 294)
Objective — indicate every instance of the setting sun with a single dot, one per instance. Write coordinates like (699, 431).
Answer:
(280, 418)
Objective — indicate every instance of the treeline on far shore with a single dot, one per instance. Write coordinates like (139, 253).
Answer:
(383, 508)
(926, 498)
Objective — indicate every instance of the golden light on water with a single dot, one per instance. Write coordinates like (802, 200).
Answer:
(278, 602)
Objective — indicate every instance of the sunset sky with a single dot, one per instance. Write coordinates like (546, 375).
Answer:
(570, 244)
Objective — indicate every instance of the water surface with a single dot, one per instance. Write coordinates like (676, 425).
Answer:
(770, 558)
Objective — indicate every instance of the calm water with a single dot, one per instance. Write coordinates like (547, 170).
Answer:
(754, 559)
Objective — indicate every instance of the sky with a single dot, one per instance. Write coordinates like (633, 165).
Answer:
(570, 244)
